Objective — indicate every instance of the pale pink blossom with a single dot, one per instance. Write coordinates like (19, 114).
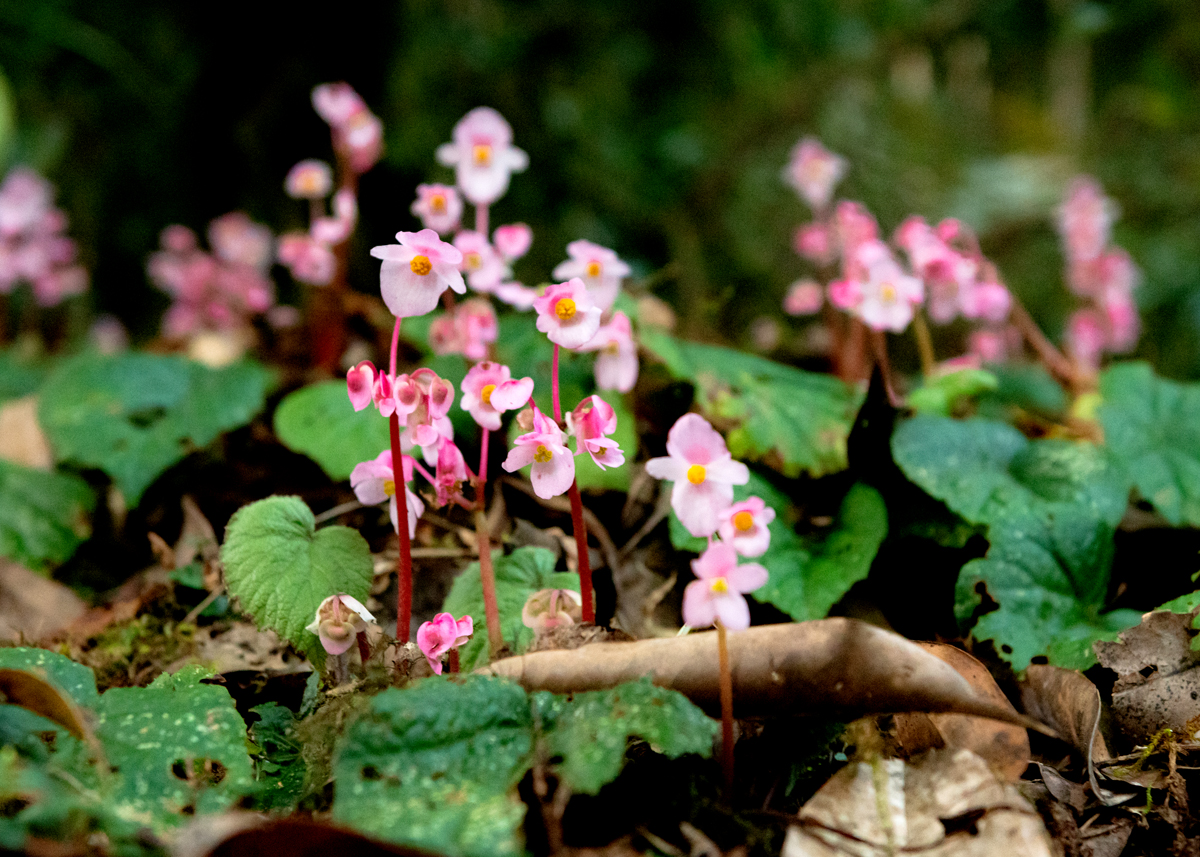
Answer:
(439, 636)
(704, 473)
(374, 482)
(416, 271)
(814, 171)
(336, 102)
(238, 240)
(548, 609)
(483, 155)
(845, 294)
(888, 295)
(450, 475)
(717, 593)
(360, 384)
(804, 297)
(993, 345)
(600, 269)
(357, 132)
(423, 399)
(439, 206)
(1124, 324)
(336, 229)
(1087, 335)
(309, 261)
(488, 390)
(591, 422)
(546, 449)
(468, 329)
(512, 241)
(482, 266)
(567, 315)
(33, 246)
(516, 294)
(1085, 219)
(744, 525)
(815, 242)
(309, 179)
(616, 365)
(25, 200)
(987, 299)
(340, 618)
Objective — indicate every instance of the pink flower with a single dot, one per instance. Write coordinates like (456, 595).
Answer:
(468, 330)
(804, 297)
(360, 384)
(552, 608)
(993, 346)
(591, 422)
(716, 594)
(309, 179)
(25, 200)
(744, 525)
(416, 271)
(988, 299)
(374, 482)
(439, 206)
(516, 295)
(309, 261)
(1085, 219)
(483, 155)
(339, 620)
(888, 294)
(814, 171)
(815, 242)
(441, 635)
(482, 266)
(334, 230)
(237, 239)
(489, 390)
(423, 399)
(854, 225)
(512, 241)
(357, 132)
(336, 102)
(1087, 335)
(598, 267)
(1124, 325)
(451, 473)
(617, 361)
(567, 315)
(546, 449)
(704, 473)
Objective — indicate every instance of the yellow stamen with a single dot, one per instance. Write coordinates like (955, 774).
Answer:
(593, 269)
(719, 585)
(541, 455)
(482, 155)
(888, 292)
(420, 265)
(485, 395)
(696, 474)
(389, 487)
(437, 204)
(743, 521)
(565, 309)
(474, 261)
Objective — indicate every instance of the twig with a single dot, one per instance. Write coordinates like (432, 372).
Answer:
(662, 508)
(195, 612)
(607, 547)
(1057, 362)
(336, 511)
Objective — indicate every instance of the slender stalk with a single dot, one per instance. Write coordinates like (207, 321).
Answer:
(924, 344)
(725, 679)
(578, 525)
(364, 648)
(554, 385)
(452, 666)
(487, 574)
(879, 343)
(1055, 361)
(481, 220)
(404, 557)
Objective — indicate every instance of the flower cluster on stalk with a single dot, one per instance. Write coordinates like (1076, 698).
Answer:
(34, 248)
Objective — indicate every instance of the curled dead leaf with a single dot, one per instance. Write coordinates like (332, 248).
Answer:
(32, 692)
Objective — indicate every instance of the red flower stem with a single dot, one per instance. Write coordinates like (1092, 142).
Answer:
(481, 220)
(404, 559)
(725, 680)
(487, 575)
(420, 468)
(554, 386)
(364, 648)
(453, 665)
(879, 343)
(584, 561)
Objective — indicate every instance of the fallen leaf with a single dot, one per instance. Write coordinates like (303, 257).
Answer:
(243, 647)
(33, 607)
(19, 687)
(22, 440)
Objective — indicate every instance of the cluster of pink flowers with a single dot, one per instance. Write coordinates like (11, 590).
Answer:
(704, 473)
(218, 290)
(1099, 272)
(357, 132)
(33, 246)
(444, 633)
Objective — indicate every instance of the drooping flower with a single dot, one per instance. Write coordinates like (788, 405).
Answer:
(545, 447)
(439, 636)
(309, 179)
(34, 247)
(600, 269)
(439, 206)
(450, 475)
(717, 592)
(468, 329)
(516, 294)
(813, 171)
(512, 241)
(360, 384)
(591, 422)
(482, 266)
(416, 271)
(744, 525)
(704, 473)
(357, 132)
(617, 358)
(567, 315)
(423, 400)
(340, 618)
(374, 482)
(483, 155)
(336, 229)
(489, 390)
(547, 609)
(815, 242)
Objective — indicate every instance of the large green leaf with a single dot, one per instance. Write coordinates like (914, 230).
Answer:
(43, 516)
(1152, 429)
(133, 415)
(319, 421)
(437, 765)
(518, 575)
(796, 420)
(19, 374)
(281, 567)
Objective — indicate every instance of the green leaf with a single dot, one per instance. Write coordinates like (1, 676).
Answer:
(518, 575)
(796, 420)
(319, 421)
(176, 746)
(1152, 429)
(20, 375)
(280, 769)
(1028, 387)
(44, 516)
(591, 732)
(943, 394)
(133, 415)
(589, 475)
(436, 766)
(75, 680)
(282, 567)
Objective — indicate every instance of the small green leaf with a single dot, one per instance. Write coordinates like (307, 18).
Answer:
(1028, 387)
(44, 516)
(799, 419)
(591, 731)
(941, 395)
(518, 575)
(282, 567)
(280, 769)
(1152, 429)
(319, 421)
(20, 375)
(75, 680)
(436, 766)
(133, 415)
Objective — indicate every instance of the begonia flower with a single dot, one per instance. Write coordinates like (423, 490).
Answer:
(439, 206)
(804, 297)
(336, 102)
(357, 132)
(373, 483)
(815, 242)
(704, 473)
(340, 618)
(545, 447)
(309, 261)
(450, 475)
(489, 390)
(439, 636)
(888, 295)
(548, 609)
(717, 592)
(482, 155)
(482, 266)
(423, 399)
(512, 241)
(744, 525)
(309, 179)
(360, 384)
(1087, 335)
(591, 422)
(416, 271)
(599, 268)
(334, 230)
(616, 365)
(1085, 219)
(237, 239)
(516, 294)
(567, 315)
(813, 171)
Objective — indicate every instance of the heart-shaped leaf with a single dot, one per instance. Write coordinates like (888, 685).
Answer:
(43, 516)
(319, 422)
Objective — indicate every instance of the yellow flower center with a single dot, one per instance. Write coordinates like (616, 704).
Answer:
(564, 309)
(696, 474)
(541, 455)
(437, 204)
(420, 265)
(719, 585)
(482, 154)
(888, 292)
(743, 521)
(389, 487)
(593, 269)
(474, 261)
(613, 348)
(485, 395)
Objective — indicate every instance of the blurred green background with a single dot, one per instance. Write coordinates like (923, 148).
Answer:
(659, 130)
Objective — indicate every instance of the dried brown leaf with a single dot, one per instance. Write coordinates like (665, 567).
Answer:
(33, 607)
(22, 440)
